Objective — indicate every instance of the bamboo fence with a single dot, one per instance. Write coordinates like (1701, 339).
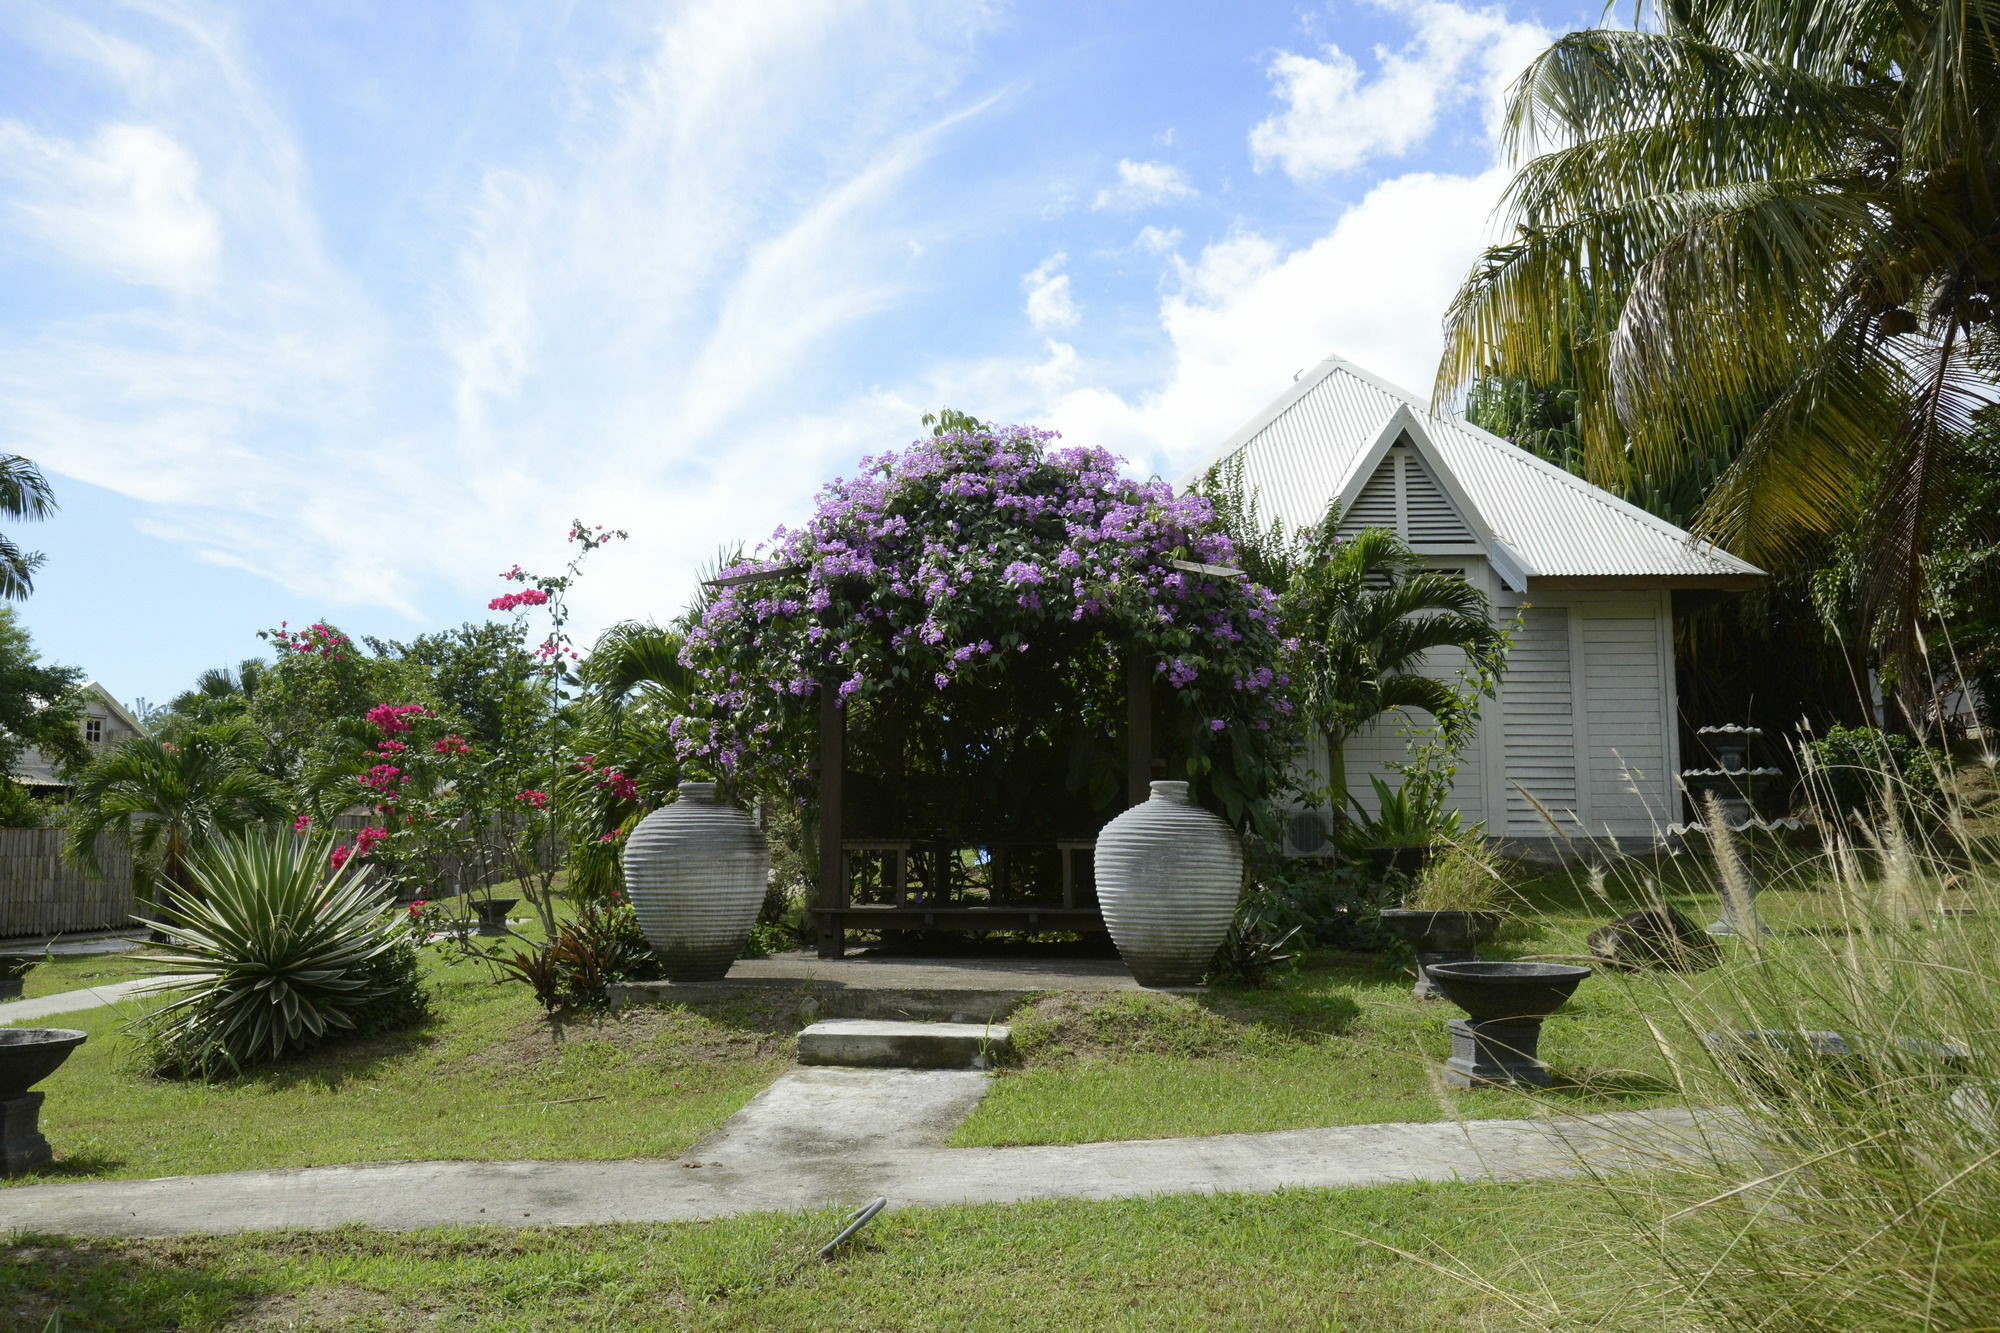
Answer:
(42, 894)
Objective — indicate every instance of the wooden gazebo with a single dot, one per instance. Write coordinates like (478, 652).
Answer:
(905, 879)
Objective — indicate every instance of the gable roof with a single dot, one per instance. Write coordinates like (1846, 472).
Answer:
(1325, 436)
(116, 709)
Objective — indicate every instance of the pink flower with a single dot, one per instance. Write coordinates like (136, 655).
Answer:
(302, 823)
(451, 745)
(537, 799)
(391, 718)
(340, 855)
(364, 841)
(507, 601)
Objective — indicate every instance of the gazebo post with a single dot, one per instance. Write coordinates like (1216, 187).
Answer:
(1138, 727)
(832, 773)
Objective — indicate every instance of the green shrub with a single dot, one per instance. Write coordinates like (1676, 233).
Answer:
(285, 953)
(575, 969)
(1461, 876)
(1850, 771)
(1329, 902)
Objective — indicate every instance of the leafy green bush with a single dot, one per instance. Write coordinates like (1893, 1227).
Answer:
(1850, 769)
(272, 954)
(575, 969)
(1461, 876)
(1330, 903)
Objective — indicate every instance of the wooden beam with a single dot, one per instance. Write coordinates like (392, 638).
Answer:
(1138, 726)
(1207, 571)
(832, 775)
(755, 576)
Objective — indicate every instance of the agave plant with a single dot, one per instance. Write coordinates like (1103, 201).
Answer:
(272, 952)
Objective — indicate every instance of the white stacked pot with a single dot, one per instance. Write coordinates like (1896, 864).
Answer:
(1168, 877)
(696, 871)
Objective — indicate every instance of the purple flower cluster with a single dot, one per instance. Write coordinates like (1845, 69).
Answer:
(946, 559)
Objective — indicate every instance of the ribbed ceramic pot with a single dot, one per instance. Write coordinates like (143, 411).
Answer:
(696, 872)
(1168, 876)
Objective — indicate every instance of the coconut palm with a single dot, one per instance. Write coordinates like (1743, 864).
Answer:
(1771, 222)
(1365, 613)
(25, 494)
(172, 798)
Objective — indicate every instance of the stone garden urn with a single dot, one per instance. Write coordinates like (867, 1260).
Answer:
(1168, 877)
(696, 871)
(492, 914)
(1439, 937)
(27, 1056)
(14, 967)
(1498, 1043)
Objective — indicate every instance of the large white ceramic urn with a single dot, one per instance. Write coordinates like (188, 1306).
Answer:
(696, 871)
(1168, 877)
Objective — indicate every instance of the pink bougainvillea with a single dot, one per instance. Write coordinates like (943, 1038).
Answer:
(507, 601)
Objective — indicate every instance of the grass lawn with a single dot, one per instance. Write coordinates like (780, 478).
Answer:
(63, 972)
(1340, 1041)
(1284, 1261)
(483, 1078)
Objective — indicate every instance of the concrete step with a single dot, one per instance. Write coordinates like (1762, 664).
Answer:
(881, 1044)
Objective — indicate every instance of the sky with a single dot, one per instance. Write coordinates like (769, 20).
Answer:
(333, 309)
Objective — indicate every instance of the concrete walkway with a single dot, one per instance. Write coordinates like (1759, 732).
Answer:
(69, 1001)
(821, 1138)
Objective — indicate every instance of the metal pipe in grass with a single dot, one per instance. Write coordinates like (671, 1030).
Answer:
(854, 1224)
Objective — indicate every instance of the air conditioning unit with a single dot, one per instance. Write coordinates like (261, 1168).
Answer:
(1305, 835)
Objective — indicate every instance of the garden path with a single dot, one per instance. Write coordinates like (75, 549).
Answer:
(821, 1138)
(90, 997)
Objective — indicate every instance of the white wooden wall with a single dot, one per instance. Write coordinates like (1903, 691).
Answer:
(1585, 721)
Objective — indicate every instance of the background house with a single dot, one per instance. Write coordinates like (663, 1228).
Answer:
(1587, 719)
(105, 723)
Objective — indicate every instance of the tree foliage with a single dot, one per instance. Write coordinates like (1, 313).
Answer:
(39, 704)
(1768, 222)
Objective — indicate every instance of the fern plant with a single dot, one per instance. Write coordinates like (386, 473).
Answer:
(272, 952)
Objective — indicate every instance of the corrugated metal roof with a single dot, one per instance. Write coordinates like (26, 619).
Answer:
(1314, 442)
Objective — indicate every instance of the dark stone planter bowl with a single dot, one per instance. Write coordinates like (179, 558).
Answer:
(1440, 932)
(494, 909)
(29, 1055)
(13, 967)
(1488, 991)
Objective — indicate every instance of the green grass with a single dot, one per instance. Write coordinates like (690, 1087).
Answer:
(63, 972)
(1338, 1042)
(485, 1078)
(1287, 1261)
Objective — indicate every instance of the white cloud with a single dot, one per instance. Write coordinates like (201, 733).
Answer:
(1337, 118)
(1247, 314)
(1153, 241)
(1143, 185)
(1050, 305)
(627, 316)
(127, 202)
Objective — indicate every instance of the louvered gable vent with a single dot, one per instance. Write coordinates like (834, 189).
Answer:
(1404, 495)
(1428, 513)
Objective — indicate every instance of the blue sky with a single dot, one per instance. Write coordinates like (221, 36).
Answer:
(336, 308)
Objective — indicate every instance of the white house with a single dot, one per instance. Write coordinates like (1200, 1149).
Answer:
(1586, 720)
(104, 722)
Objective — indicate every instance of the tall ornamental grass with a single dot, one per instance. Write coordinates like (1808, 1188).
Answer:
(1848, 1174)
(275, 952)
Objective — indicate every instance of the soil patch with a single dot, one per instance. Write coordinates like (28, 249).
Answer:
(668, 1038)
(1070, 1025)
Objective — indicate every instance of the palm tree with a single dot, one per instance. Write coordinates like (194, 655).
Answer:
(219, 695)
(24, 494)
(170, 799)
(1774, 223)
(1365, 613)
